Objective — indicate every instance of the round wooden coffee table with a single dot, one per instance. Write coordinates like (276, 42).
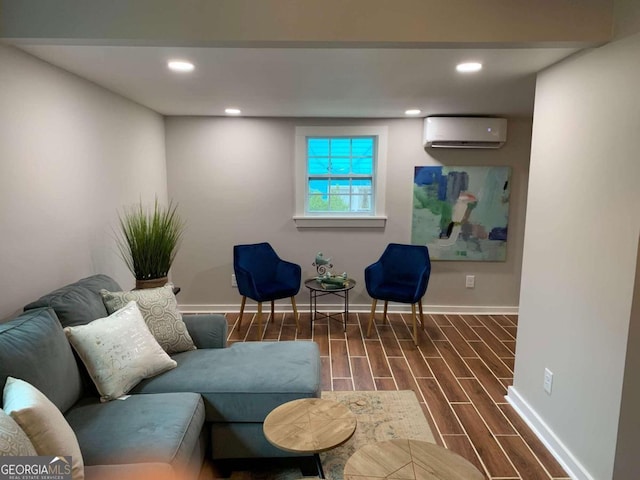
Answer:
(309, 425)
(409, 460)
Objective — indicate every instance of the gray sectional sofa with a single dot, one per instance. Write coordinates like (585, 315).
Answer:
(213, 403)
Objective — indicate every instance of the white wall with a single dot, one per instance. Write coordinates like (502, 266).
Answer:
(71, 155)
(580, 253)
(233, 180)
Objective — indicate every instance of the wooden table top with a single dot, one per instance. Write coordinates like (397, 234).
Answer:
(408, 460)
(309, 425)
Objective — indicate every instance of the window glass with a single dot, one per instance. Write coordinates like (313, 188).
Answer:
(340, 174)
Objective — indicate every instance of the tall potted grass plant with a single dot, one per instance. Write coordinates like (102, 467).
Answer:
(148, 242)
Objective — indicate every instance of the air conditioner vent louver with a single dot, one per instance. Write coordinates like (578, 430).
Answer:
(454, 144)
(464, 132)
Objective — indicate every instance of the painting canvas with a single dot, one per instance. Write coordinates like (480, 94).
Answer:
(461, 213)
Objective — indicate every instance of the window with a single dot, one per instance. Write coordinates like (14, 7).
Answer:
(340, 175)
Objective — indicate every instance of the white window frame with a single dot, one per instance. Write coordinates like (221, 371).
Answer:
(376, 219)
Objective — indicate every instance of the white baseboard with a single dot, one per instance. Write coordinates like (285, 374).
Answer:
(359, 308)
(569, 462)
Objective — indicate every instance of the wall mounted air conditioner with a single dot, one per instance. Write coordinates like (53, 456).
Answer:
(464, 132)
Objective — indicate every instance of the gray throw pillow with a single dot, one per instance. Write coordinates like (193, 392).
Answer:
(159, 309)
(119, 351)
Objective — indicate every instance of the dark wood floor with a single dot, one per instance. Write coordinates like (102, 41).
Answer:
(459, 372)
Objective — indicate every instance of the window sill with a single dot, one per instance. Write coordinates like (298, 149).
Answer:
(339, 222)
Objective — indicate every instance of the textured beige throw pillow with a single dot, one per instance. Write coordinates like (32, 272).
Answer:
(43, 423)
(119, 351)
(159, 309)
(13, 441)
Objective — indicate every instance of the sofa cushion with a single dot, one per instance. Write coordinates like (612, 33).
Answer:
(43, 423)
(163, 428)
(13, 441)
(33, 347)
(207, 330)
(244, 382)
(78, 303)
(159, 309)
(119, 351)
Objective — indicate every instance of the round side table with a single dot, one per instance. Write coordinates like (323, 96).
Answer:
(408, 460)
(309, 425)
(317, 290)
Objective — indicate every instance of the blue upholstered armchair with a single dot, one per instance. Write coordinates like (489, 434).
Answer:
(401, 275)
(263, 276)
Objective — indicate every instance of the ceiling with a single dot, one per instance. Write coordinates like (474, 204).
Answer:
(312, 82)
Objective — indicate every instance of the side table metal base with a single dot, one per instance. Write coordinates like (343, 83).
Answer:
(313, 306)
(311, 466)
(317, 290)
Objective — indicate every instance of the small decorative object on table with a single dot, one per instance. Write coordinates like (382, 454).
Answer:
(322, 264)
(333, 282)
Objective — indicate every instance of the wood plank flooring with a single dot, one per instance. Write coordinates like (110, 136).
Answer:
(459, 372)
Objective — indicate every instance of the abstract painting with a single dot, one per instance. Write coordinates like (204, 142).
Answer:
(461, 213)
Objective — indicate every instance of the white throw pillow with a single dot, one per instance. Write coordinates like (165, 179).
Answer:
(43, 423)
(159, 309)
(119, 351)
(13, 441)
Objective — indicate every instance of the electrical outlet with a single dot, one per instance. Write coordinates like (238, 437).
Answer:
(233, 280)
(470, 281)
(548, 380)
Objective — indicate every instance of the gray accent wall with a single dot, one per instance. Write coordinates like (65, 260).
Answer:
(234, 181)
(581, 258)
(71, 155)
(626, 18)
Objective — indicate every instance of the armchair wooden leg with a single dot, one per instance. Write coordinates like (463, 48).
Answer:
(295, 313)
(373, 312)
(421, 316)
(384, 314)
(273, 311)
(415, 326)
(244, 300)
(259, 320)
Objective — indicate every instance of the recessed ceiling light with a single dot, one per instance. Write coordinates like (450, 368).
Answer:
(180, 66)
(413, 111)
(469, 67)
(232, 111)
